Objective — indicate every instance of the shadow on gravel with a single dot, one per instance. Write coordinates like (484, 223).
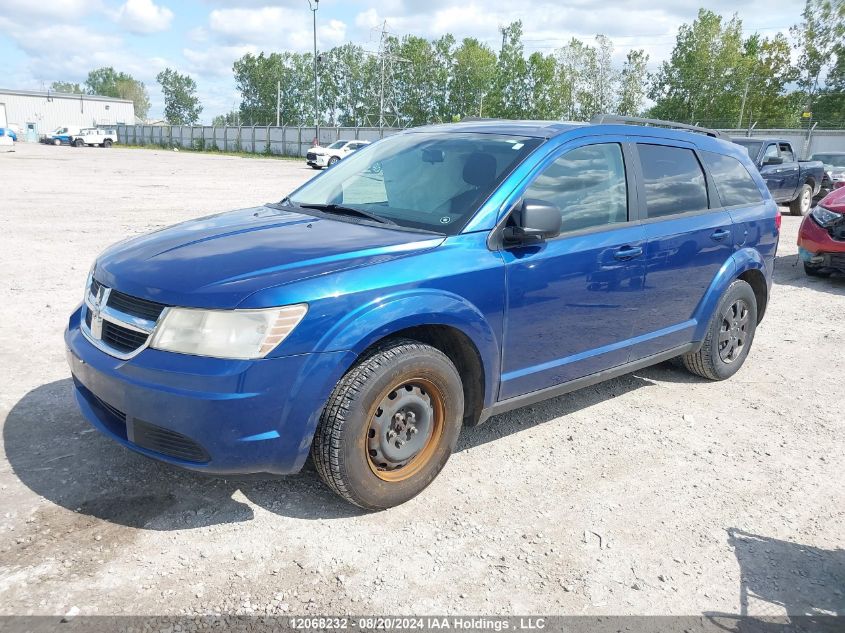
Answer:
(785, 587)
(789, 271)
(55, 452)
(505, 424)
(781, 576)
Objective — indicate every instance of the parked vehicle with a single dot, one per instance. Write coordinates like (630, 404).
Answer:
(319, 157)
(60, 136)
(791, 181)
(7, 131)
(366, 317)
(94, 136)
(821, 237)
(834, 171)
(6, 143)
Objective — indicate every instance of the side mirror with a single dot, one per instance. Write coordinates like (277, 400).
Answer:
(773, 160)
(535, 220)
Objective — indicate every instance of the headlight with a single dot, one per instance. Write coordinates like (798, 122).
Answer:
(824, 217)
(241, 334)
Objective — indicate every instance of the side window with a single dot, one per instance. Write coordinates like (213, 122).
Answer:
(673, 180)
(786, 152)
(733, 182)
(588, 186)
(771, 152)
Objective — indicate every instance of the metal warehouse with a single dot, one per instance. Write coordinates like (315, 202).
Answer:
(41, 112)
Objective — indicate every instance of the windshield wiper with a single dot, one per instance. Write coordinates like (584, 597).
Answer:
(339, 209)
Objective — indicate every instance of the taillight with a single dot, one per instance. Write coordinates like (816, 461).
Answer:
(778, 221)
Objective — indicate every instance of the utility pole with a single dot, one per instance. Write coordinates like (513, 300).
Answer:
(278, 100)
(314, 5)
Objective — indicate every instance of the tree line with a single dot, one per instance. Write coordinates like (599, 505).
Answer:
(715, 76)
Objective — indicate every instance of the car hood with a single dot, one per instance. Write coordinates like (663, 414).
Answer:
(218, 261)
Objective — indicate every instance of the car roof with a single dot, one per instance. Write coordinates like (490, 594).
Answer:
(537, 129)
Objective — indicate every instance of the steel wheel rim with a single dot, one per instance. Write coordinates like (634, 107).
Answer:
(733, 332)
(805, 200)
(390, 423)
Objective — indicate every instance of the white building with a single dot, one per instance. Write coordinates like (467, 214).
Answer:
(41, 112)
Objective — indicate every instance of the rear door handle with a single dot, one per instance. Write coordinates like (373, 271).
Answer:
(720, 235)
(628, 252)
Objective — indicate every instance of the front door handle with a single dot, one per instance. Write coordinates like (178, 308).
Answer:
(720, 234)
(628, 252)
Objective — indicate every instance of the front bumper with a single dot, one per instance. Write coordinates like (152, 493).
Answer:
(817, 247)
(321, 160)
(213, 415)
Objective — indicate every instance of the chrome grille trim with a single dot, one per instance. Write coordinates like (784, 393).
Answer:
(97, 306)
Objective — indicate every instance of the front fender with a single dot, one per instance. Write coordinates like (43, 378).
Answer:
(740, 262)
(384, 316)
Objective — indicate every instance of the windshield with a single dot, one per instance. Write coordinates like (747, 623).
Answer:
(834, 160)
(752, 147)
(337, 144)
(420, 180)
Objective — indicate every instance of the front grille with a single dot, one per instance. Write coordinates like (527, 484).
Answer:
(143, 308)
(311, 156)
(167, 442)
(95, 287)
(837, 260)
(122, 339)
(116, 413)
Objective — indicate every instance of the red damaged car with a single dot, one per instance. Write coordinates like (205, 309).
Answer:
(821, 238)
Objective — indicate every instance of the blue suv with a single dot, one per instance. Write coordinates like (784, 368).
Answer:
(429, 281)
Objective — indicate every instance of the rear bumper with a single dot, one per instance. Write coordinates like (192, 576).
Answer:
(213, 415)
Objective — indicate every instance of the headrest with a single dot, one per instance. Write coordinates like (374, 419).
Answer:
(480, 169)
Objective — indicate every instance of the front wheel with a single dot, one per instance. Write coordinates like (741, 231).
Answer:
(56, 141)
(801, 204)
(334, 160)
(78, 143)
(107, 143)
(729, 335)
(390, 425)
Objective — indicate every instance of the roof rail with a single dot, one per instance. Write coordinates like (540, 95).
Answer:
(635, 120)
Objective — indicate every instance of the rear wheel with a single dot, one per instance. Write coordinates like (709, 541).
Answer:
(390, 425)
(815, 271)
(729, 335)
(801, 205)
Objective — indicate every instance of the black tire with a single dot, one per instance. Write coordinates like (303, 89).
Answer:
(78, 143)
(317, 167)
(334, 160)
(719, 359)
(802, 204)
(56, 141)
(352, 433)
(814, 271)
(107, 143)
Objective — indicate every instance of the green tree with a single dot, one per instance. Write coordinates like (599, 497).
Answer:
(510, 90)
(632, 80)
(473, 73)
(230, 118)
(66, 87)
(107, 82)
(181, 105)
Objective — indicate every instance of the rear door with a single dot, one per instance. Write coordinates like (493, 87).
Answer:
(789, 171)
(689, 237)
(773, 174)
(571, 301)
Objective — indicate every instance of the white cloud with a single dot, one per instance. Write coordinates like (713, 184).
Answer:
(143, 17)
(215, 60)
(26, 11)
(274, 28)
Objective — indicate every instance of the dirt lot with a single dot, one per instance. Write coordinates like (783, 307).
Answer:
(656, 493)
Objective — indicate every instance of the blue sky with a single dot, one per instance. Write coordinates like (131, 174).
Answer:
(46, 40)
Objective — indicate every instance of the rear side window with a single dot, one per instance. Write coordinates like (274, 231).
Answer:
(588, 186)
(673, 180)
(786, 153)
(734, 183)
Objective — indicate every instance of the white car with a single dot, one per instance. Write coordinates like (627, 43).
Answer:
(94, 136)
(319, 157)
(6, 143)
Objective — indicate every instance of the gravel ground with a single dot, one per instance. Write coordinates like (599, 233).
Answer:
(655, 493)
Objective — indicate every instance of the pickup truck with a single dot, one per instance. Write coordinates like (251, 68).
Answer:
(60, 136)
(791, 181)
(94, 136)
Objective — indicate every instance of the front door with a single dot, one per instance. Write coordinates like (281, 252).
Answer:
(572, 300)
